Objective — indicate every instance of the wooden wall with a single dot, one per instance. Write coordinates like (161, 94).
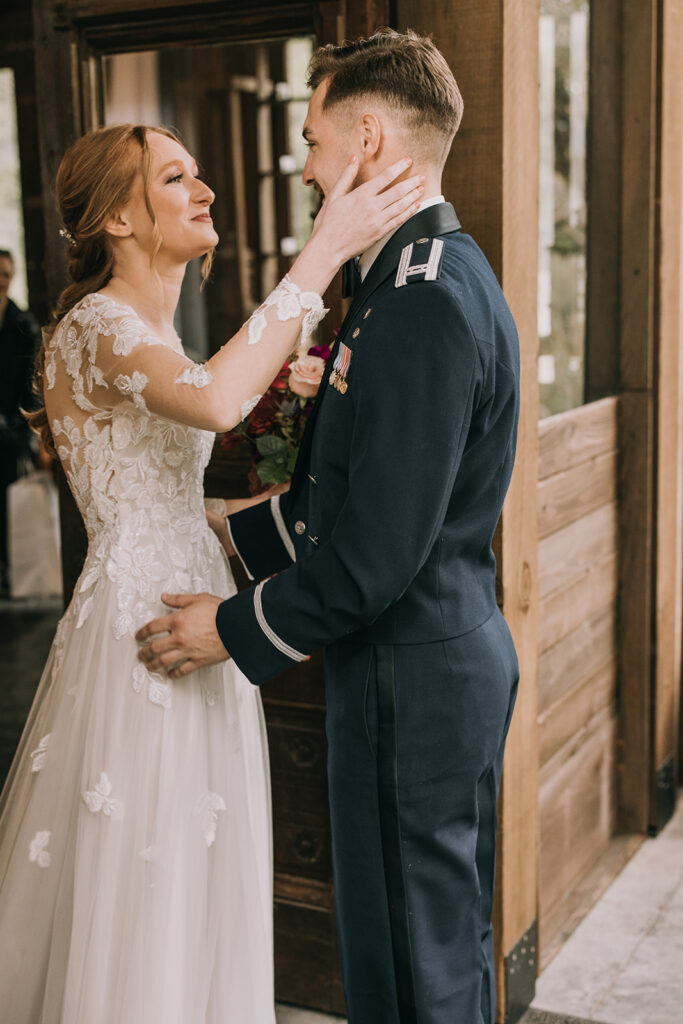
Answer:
(577, 645)
(582, 705)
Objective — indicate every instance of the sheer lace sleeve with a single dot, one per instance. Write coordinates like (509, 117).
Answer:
(111, 356)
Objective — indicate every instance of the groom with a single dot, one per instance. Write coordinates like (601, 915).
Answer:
(382, 555)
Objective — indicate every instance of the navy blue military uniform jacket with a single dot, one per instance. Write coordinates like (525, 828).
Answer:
(386, 532)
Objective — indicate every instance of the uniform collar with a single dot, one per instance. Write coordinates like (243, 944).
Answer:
(436, 220)
(370, 255)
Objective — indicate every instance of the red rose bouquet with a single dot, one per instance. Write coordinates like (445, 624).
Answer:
(275, 426)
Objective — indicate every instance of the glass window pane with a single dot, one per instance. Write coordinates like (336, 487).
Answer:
(563, 93)
(11, 213)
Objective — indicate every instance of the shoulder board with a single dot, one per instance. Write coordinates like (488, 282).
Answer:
(420, 261)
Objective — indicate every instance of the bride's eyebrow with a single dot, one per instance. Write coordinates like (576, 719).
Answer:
(180, 164)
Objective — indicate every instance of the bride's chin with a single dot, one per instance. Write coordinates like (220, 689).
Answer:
(206, 247)
(212, 241)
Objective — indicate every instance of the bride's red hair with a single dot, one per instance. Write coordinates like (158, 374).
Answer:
(94, 180)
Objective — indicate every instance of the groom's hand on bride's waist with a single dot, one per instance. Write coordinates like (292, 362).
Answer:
(184, 640)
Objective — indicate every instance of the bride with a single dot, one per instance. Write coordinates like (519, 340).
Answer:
(135, 846)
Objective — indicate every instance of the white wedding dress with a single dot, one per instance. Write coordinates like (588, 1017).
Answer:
(135, 844)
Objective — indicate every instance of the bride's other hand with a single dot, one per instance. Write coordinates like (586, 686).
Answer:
(219, 525)
(217, 509)
(351, 219)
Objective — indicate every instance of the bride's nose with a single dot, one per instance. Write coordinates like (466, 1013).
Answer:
(203, 193)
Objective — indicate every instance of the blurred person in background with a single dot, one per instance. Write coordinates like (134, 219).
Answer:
(19, 339)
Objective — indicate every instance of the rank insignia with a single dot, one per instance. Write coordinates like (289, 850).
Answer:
(340, 369)
(409, 270)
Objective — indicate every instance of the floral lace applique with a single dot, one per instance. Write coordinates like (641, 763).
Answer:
(207, 809)
(50, 368)
(289, 301)
(39, 754)
(99, 799)
(249, 406)
(137, 477)
(132, 387)
(58, 646)
(198, 375)
(158, 689)
(211, 698)
(38, 852)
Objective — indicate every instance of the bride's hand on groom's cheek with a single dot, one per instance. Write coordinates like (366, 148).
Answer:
(185, 640)
(354, 218)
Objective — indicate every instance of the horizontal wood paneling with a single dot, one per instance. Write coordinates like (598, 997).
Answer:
(570, 495)
(578, 593)
(576, 657)
(576, 810)
(576, 436)
(569, 554)
(566, 722)
(564, 610)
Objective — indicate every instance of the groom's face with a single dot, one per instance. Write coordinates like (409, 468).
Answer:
(330, 140)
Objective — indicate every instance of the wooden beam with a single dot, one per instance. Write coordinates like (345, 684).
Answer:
(650, 476)
(668, 422)
(636, 408)
(491, 177)
(604, 197)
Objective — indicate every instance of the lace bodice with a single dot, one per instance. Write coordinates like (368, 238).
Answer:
(137, 476)
(129, 414)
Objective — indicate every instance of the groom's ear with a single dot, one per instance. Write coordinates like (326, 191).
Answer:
(119, 224)
(370, 131)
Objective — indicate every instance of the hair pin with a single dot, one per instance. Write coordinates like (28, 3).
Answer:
(67, 236)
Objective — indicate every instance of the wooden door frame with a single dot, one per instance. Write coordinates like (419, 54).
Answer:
(633, 350)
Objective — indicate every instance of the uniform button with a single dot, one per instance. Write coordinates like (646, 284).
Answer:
(368, 311)
(422, 241)
(356, 332)
(300, 527)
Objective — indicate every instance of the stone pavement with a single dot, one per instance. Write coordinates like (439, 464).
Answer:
(624, 963)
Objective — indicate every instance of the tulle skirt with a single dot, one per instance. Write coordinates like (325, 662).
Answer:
(135, 843)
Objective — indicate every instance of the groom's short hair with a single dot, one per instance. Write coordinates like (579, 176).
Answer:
(403, 69)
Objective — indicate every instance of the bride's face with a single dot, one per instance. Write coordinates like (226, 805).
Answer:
(180, 200)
